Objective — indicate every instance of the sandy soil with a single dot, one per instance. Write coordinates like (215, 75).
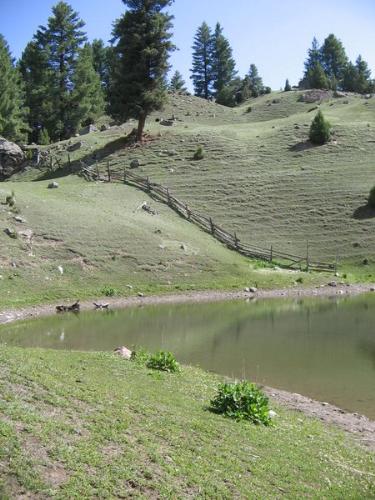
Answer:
(358, 425)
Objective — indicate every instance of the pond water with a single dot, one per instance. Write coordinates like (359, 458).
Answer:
(322, 348)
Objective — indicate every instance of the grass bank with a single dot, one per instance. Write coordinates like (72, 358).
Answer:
(80, 425)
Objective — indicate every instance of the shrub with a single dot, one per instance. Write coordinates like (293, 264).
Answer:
(11, 199)
(320, 130)
(199, 154)
(140, 356)
(371, 198)
(249, 109)
(163, 361)
(242, 401)
(44, 138)
(108, 291)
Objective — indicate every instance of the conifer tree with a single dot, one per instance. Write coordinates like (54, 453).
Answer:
(223, 64)
(143, 36)
(87, 96)
(38, 82)
(316, 78)
(314, 56)
(363, 83)
(334, 60)
(287, 87)
(320, 130)
(177, 83)
(12, 110)
(202, 71)
(255, 81)
(62, 37)
(101, 61)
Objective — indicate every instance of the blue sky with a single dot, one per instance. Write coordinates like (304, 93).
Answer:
(273, 34)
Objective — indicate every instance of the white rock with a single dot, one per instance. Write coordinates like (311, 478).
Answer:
(60, 269)
(272, 414)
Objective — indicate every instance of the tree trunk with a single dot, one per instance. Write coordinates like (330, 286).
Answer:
(141, 126)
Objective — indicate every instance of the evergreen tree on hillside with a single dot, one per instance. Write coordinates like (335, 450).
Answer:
(101, 61)
(316, 78)
(314, 56)
(62, 37)
(87, 97)
(177, 83)
(202, 71)
(287, 87)
(143, 36)
(255, 81)
(363, 76)
(12, 110)
(320, 130)
(38, 82)
(223, 64)
(334, 60)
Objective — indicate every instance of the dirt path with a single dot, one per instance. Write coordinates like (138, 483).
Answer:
(360, 426)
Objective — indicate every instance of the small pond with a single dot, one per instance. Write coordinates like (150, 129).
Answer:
(322, 348)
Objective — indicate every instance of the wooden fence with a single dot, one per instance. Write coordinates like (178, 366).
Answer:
(271, 255)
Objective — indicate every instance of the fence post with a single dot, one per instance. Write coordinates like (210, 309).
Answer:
(236, 240)
(307, 256)
(97, 169)
(124, 175)
(148, 184)
(108, 172)
(212, 226)
(271, 254)
(188, 212)
(168, 197)
(69, 162)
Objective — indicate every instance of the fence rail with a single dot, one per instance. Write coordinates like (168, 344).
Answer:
(206, 223)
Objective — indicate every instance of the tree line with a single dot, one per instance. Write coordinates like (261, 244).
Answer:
(62, 82)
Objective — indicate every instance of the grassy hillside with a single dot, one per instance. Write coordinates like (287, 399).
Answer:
(76, 425)
(259, 176)
(102, 239)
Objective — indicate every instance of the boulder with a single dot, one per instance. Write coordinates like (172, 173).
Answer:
(167, 123)
(88, 130)
(11, 158)
(53, 185)
(124, 352)
(75, 147)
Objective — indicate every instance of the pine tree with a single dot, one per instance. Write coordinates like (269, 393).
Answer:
(350, 78)
(363, 76)
(12, 110)
(201, 72)
(62, 37)
(316, 78)
(255, 81)
(320, 130)
(141, 60)
(38, 82)
(43, 138)
(223, 64)
(87, 96)
(287, 87)
(177, 83)
(314, 56)
(101, 61)
(334, 60)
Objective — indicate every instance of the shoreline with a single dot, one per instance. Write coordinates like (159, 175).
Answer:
(360, 426)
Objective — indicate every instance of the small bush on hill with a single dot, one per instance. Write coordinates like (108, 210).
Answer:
(320, 130)
(242, 401)
(163, 361)
(108, 291)
(10, 200)
(371, 198)
(199, 154)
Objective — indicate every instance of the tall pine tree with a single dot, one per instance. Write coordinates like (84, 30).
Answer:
(255, 82)
(87, 96)
(12, 110)
(202, 71)
(363, 84)
(143, 36)
(334, 60)
(223, 64)
(63, 36)
(101, 59)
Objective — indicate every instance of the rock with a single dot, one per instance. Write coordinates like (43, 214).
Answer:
(140, 294)
(172, 152)
(247, 290)
(135, 163)
(53, 185)
(12, 233)
(253, 289)
(124, 352)
(103, 128)
(12, 158)
(60, 269)
(167, 123)
(372, 289)
(88, 130)
(19, 219)
(272, 414)
(130, 287)
(75, 147)
(332, 284)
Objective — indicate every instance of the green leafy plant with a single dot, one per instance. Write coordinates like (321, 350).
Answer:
(242, 401)
(371, 198)
(199, 153)
(163, 361)
(140, 356)
(320, 130)
(108, 291)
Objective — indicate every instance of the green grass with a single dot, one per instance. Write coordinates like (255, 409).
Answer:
(76, 425)
(106, 244)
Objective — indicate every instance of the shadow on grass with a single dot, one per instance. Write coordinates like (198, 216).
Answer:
(364, 212)
(303, 146)
(89, 159)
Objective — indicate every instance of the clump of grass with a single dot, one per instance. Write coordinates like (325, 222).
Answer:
(108, 291)
(242, 401)
(199, 153)
(10, 200)
(163, 361)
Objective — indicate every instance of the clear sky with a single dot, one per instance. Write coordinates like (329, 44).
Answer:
(273, 34)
